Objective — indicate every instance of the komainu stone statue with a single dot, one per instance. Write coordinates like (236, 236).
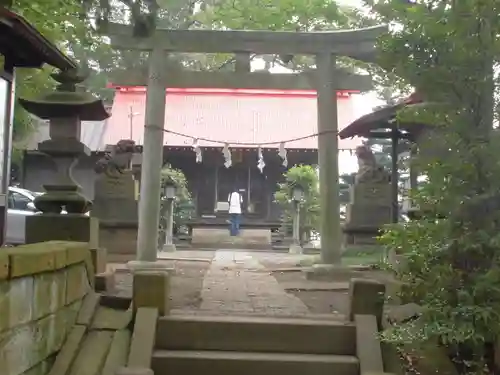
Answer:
(115, 203)
(118, 160)
(368, 170)
(370, 200)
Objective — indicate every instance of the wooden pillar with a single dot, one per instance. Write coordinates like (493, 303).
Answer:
(242, 62)
(216, 194)
(269, 194)
(249, 187)
(395, 176)
(413, 170)
(328, 160)
(149, 202)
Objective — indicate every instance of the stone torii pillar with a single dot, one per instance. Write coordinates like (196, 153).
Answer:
(328, 146)
(149, 201)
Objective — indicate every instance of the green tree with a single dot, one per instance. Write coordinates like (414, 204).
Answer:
(59, 21)
(283, 15)
(87, 18)
(447, 50)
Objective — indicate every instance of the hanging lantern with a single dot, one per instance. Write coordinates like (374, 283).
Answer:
(260, 162)
(197, 151)
(227, 156)
(283, 154)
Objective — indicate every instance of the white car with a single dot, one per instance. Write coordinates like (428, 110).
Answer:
(20, 203)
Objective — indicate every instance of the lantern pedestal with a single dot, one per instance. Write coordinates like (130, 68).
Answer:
(70, 227)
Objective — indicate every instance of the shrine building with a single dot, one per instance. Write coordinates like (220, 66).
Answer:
(245, 119)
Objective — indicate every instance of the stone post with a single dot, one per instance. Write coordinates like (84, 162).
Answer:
(151, 288)
(328, 160)
(149, 202)
(295, 247)
(169, 229)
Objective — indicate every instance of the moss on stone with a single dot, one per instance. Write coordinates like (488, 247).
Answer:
(118, 352)
(77, 283)
(4, 266)
(45, 256)
(42, 286)
(108, 318)
(69, 351)
(93, 352)
(88, 309)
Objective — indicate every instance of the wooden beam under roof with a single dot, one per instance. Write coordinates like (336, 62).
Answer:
(232, 80)
(359, 43)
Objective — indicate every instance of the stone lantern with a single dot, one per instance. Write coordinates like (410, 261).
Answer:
(64, 209)
(169, 193)
(297, 197)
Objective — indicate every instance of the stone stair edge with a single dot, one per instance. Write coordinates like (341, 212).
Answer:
(256, 319)
(257, 356)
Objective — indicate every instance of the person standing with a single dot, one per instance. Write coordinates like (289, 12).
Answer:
(235, 200)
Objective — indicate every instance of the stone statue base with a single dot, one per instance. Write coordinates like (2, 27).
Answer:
(370, 209)
(119, 239)
(62, 227)
(115, 198)
(116, 207)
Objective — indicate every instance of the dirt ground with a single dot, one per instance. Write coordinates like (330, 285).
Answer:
(317, 301)
(187, 282)
(319, 297)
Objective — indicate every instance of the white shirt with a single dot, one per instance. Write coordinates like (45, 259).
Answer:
(235, 200)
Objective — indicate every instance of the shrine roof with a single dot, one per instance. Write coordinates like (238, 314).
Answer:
(247, 116)
(382, 120)
(25, 47)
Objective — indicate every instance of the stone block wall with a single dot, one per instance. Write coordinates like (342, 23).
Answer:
(41, 291)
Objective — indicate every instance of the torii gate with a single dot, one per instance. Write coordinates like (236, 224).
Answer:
(326, 80)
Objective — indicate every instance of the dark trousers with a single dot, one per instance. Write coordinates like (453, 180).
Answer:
(235, 224)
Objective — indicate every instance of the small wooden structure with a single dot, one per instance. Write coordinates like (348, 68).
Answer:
(383, 124)
(21, 45)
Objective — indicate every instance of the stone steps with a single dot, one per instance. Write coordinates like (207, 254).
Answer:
(249, 345)
(248, 363)
(98, 344)
(256, 334)
(164, 343)
(248, 238)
